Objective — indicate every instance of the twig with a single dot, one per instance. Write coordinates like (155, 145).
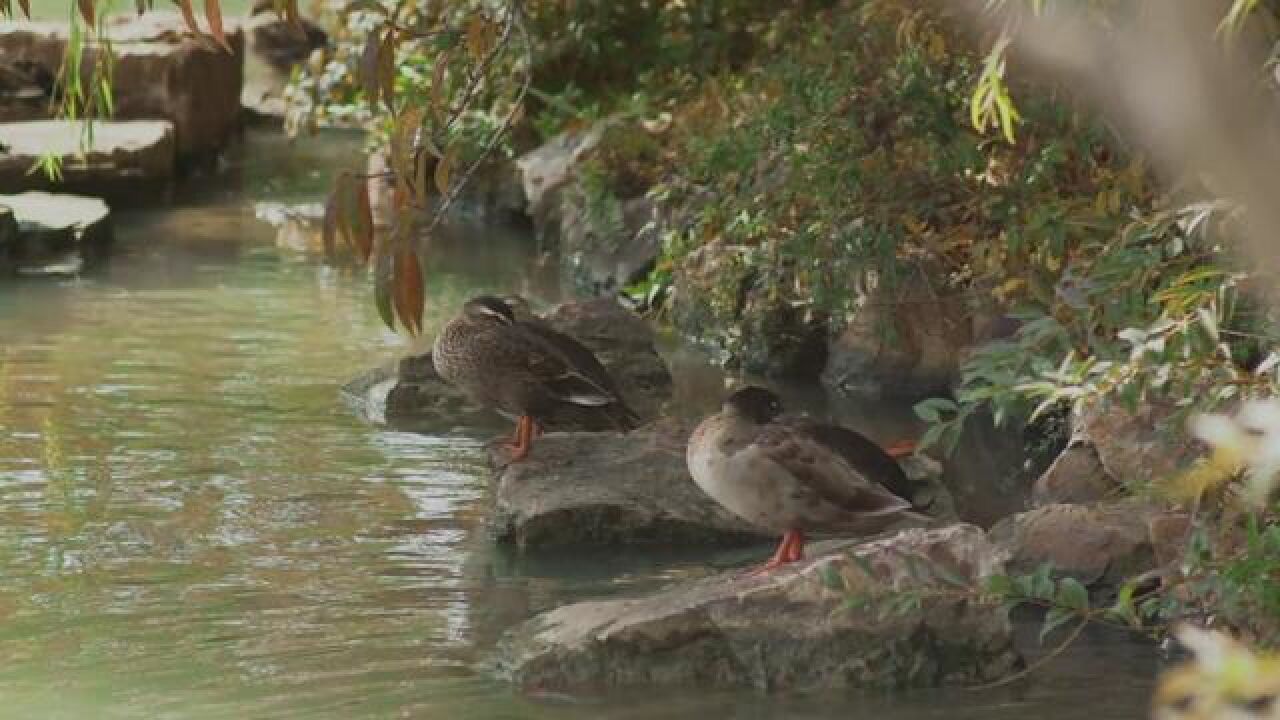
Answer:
(1052, 655)
(517, 19)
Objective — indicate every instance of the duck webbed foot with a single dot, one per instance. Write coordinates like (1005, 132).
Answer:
(900, 449)
(526, 430)
(790, 550)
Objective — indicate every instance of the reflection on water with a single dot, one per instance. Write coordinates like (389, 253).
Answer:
(193, 526)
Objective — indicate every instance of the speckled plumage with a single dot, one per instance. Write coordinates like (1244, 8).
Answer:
(523, 368)
(796, 474)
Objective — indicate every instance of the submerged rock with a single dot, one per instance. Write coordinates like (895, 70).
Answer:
(412, 391)
(127, 160)
(56, 234)
(633, 489)
(790, 629)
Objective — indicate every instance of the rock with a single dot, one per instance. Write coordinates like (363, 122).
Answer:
(1101, 544)
(274, 46)
(905, 340)
(412, 392)
(1076, 476)
(1137, 447)
(604, 249)
(26, 89)
(786, 630)
(160, 73)
(8, 241)
(546, 170)
(299, 227)
(610, 489)
(588, 489)
(585, 191)
(718, 302)
(57, 234)
(126, 160)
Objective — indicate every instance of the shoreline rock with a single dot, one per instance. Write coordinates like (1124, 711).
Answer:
(127, 161)
(160, 72)
(634, 489)
(787, 630)
(56, 234)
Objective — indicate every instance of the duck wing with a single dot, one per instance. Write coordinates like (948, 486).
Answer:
(578, 355)
(581, 378)
(825, 472)
(862, 454)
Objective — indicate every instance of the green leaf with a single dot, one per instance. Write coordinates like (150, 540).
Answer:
(1054, 619)
(830, 577)
(999, 585)
(1072, 594)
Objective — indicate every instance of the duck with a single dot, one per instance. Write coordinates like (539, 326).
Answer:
(795, 476)
(525, 369)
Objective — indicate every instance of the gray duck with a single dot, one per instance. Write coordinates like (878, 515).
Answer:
(525, 369)
(795, 475)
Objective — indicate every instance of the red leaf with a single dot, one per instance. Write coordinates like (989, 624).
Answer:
(330, 227)
(213, 12)
(362, 225)
(369, 70)
(188, 16)
(407, 290)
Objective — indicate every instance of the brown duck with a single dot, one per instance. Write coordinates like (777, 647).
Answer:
(526, 370)
(794, 475)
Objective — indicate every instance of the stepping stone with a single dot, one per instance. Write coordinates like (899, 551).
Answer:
(125, 159)
(56, 234)
(161, 73)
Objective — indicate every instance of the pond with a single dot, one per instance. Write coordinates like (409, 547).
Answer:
(193, 525)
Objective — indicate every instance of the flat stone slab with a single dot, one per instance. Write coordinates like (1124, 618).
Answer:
(57, 234)
(579, 489)
(792, 629)
(124, 158)
(160, 73)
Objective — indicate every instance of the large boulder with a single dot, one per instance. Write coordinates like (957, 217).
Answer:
(1075, 476)
(790, 629)
(720, 301)
(904, 339)
(411, 392)
(57, 234)
(160, 72)
(589, 489)
(1100, 545)
(1139, 446)
(586, 193)
(124, 160)
(274, 47)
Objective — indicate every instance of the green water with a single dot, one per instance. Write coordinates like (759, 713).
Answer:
(192, 525)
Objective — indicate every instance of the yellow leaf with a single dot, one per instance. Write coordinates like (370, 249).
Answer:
(443, 168)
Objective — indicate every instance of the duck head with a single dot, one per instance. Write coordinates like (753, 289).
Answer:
(488, 309)
(754, 403)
